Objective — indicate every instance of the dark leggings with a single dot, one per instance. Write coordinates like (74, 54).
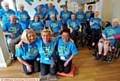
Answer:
(35, 66)
(61, 67)
(45, 69)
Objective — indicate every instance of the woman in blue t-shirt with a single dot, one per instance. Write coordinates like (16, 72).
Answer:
(47, 55)
(27, 53)
(12, 32)
(66, 51)
(23, 17)
(37, 25)
(105, 44)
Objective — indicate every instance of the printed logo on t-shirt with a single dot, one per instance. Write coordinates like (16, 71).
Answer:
(74, 24)
(44, 9)
(80, 16)
(13, 29)
(65, 15)
(46, 50)
(40, 16)
(62, 50)
(111, 32)
(32, 52)
(23, 17)
(54, 25)
(7, 15)
(35, 24)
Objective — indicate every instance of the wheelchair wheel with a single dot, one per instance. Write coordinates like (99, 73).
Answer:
(109, 58)
(117, 55)
(94, 52)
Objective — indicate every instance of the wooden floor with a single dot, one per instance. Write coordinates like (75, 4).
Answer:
(87, 69)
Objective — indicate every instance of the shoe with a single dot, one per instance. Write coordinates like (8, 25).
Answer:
(52, 77)
(98, 56)
(104, 58)
(44, 78)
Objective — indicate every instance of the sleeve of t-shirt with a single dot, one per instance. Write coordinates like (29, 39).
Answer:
(48, 24)
(79, 23)
(60, 23)
(91, 19)
(4, 27)
(30, 24)
(12, 12)
(104, 31)
(28, 15)
(61, 15)
(56, 12)
(42, 23)
(19, 52)
(68, 22)
(1, 13)
(74, 50)
(21, 30)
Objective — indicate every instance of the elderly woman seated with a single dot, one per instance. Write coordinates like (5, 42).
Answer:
(105, 43)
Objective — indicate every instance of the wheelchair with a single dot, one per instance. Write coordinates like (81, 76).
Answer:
(114, 53)
(93, 37)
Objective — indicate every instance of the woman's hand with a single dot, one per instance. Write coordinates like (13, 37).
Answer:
(106, 41)
(29, 68)
(19, 44)
(66, 63)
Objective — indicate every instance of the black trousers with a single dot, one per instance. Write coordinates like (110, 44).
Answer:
(45, 69)
(75, 36)
(61, 67)
(35, 66)
(95, 35)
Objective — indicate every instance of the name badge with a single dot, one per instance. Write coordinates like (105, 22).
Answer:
(62, 58)
(46, 58)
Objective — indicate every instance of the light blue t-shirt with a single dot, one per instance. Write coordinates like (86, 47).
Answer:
(15, 29)
(37, 25)
(44, 8)
(81, 16)
(46, 51)
(1, 13)
(65, 50)
(28, 51)
(74, 24)
(55, 26)
(23, 19)
(111, 31)
(52, 11)
(97, 24)
(40, 14)
(6, 15)
(65, 15)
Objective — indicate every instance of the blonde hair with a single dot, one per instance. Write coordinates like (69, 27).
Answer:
(24, 35)
(116, 20)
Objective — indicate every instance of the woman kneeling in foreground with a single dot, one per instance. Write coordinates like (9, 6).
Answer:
(27, 53)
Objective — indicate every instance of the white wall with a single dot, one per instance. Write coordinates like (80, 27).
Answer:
(115, 8)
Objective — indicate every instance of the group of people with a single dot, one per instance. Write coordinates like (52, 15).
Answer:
(48, 43)
(40, 45)
(45, 54)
